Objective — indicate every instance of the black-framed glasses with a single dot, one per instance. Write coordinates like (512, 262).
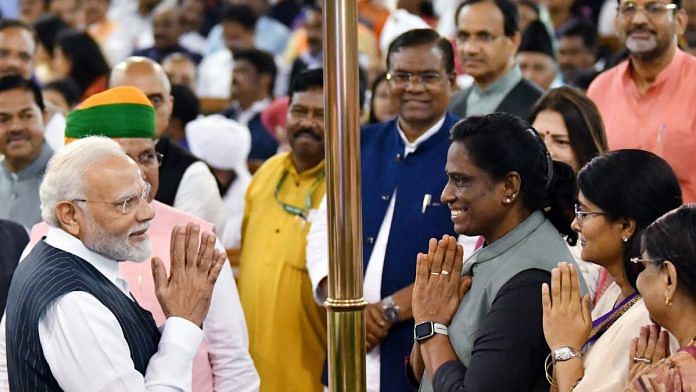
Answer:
(402, 78)
(128, 205)
(151, 159)
(652, 10)
(580, 215)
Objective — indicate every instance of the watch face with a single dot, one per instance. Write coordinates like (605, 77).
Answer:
(423, 330)
(563, 354)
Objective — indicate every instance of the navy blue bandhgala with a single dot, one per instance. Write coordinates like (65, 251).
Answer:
(418, 180)
(45, 275)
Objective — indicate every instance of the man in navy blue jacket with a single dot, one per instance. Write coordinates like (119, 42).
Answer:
(403, 163)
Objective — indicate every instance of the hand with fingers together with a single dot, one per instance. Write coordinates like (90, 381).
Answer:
(195, 266)
(439, 286)
(651, 346)
(567, 318)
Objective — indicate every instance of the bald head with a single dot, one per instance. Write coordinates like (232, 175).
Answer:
(150, 78)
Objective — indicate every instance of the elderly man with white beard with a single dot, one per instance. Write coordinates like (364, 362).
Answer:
(71, 322)
(222, 362)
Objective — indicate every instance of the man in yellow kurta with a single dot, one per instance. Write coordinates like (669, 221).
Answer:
(287, 330)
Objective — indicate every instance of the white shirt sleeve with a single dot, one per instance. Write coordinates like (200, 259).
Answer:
(227, 338)
(4, 381)
(198, 194)
(318, 250)
(86, 350)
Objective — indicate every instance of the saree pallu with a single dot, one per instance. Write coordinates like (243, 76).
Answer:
(606, 359)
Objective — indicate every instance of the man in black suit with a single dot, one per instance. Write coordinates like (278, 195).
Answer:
(487, 38)
(13, 238)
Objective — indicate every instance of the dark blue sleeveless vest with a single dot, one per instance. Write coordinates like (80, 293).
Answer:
(419, 180)
(46, 274)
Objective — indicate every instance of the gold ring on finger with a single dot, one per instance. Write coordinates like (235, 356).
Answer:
(641, 359)
(443, 272)
(434, 273)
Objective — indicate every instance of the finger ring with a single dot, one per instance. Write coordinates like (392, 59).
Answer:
(641, 359)
(443, 272)
(434, 273)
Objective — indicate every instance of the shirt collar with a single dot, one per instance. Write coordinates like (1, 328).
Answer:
(60, 239)
(670, 71)
(503, 84)
(412, 147)
(517, 234)
(35, 168)
(289, 165)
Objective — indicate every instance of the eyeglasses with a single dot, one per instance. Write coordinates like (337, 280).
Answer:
(580, 215)
(401, 78)
(478, 38)
(653, 10)
(128, 205)
(150, 159)
(645, 262)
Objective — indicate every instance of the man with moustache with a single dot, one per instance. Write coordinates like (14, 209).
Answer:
(186, 183)
(25, 151)
(287, 330)
(222, 362)
(402, 163)
(487, 39)
(71, 322)
(17, 48)
(647, 101)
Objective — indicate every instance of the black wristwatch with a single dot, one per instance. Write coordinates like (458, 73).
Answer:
(390, 310)
(427, 330)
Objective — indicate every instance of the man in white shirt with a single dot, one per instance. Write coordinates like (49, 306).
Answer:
(71, 322)
(403, 175)
(186, 183)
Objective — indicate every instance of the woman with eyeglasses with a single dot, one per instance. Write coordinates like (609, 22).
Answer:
(621, 193)
(668, 287)
(478, 325)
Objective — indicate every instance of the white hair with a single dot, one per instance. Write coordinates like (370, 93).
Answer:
(64, 175)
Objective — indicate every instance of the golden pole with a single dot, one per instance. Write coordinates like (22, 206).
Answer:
(345, 303)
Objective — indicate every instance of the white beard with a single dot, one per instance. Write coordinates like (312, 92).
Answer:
(117, 248)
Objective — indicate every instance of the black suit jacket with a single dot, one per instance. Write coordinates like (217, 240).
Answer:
(519, 101)
(13, 238)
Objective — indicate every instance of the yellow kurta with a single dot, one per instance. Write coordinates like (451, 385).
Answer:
(287, 329)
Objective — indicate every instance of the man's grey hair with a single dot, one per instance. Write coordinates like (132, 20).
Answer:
(64, 175)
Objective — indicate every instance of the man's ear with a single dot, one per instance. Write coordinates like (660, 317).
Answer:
(68, 217)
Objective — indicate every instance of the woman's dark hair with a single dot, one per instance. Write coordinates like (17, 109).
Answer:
(382, 77)
(67, 88)
(581, 118)
(673, 237)
(631, 184)
(186, 106)
(500, 143)
(88, 62)
(47, 28)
